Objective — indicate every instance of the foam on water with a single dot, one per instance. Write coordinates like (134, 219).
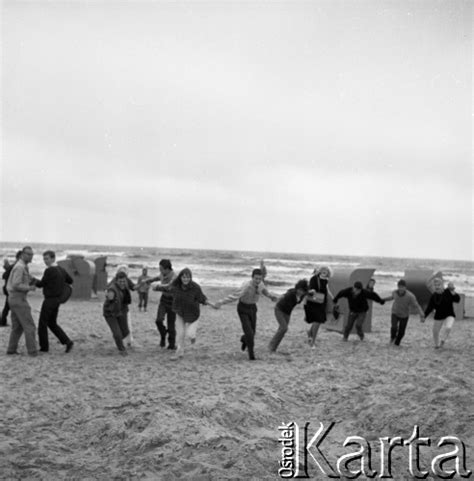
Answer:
(232, 268)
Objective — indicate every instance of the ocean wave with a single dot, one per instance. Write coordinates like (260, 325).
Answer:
(93, 254)
(230, 269)
(270, 282)
(397, 274)
(310, 264)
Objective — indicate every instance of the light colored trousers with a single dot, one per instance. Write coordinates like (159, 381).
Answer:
(183, 330)
(22, 322)
(129, 339)
(441, 329)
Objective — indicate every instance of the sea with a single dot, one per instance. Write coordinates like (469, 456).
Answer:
(221, 268)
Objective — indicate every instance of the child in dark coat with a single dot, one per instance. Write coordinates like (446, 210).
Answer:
(187, 297)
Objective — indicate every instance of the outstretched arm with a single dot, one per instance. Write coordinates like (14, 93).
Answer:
(340, 294)
(232, 297)
(375, 297)
(417, 306)
(388, 298)
(200, 297)
(153, 279)
(270, 295)
(330, 294)
(166, 286)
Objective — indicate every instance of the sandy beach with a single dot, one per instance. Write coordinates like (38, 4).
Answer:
(95, 415)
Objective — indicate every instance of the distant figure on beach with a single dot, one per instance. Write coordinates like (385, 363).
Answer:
(248, 296)
(316, 302)
(263, 269)
(7, 267)
(371, 285)
(18, 286)
(127, 301)
(187, 296)
(283, 309)
(143, 287)
(441, 302)
(165, 307)
(403, 300)
(53, 284)
(115, 311)
(357, 298)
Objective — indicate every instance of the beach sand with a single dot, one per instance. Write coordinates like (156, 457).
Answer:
(93, 414)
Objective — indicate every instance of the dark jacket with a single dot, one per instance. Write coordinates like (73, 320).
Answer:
(358, 303)
(442, 304)
(114, 307)
(288, 301)
(5, 277)
(319, 285)
(126, 295)
(186, 301)
(53, 281)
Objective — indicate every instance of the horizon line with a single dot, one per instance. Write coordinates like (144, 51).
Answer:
(238, 250)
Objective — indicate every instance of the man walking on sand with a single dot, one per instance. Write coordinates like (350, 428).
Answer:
(18, 287)
(53, 283)
(248, 296)
(357, 298)
(403, 300)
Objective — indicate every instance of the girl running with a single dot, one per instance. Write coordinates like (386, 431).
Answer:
(187, 296)
(442, 303)
(316, 302)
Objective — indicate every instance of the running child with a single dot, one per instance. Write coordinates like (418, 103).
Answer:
(187, 297)
(442, 303)
(403, 301)
(283, 310)
(248, 296)
(115, 311)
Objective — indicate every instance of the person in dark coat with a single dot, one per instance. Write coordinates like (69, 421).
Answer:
(357, 298)
(7, 268)
(316, 302)
(441, 302)
(6, 274)
(126, 302)
(283, 309)
(53, 284)
(187, 298)
(115, 310)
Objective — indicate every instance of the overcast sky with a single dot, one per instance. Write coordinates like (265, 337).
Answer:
(338, 127)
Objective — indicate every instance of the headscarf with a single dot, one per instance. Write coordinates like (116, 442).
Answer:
(122, 268)
(320, 270)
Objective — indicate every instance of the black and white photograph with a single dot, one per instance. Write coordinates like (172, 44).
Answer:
(236, 240)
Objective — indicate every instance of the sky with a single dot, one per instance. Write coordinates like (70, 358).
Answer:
(331, 127)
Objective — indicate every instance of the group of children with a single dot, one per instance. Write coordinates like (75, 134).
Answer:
(179, 307)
